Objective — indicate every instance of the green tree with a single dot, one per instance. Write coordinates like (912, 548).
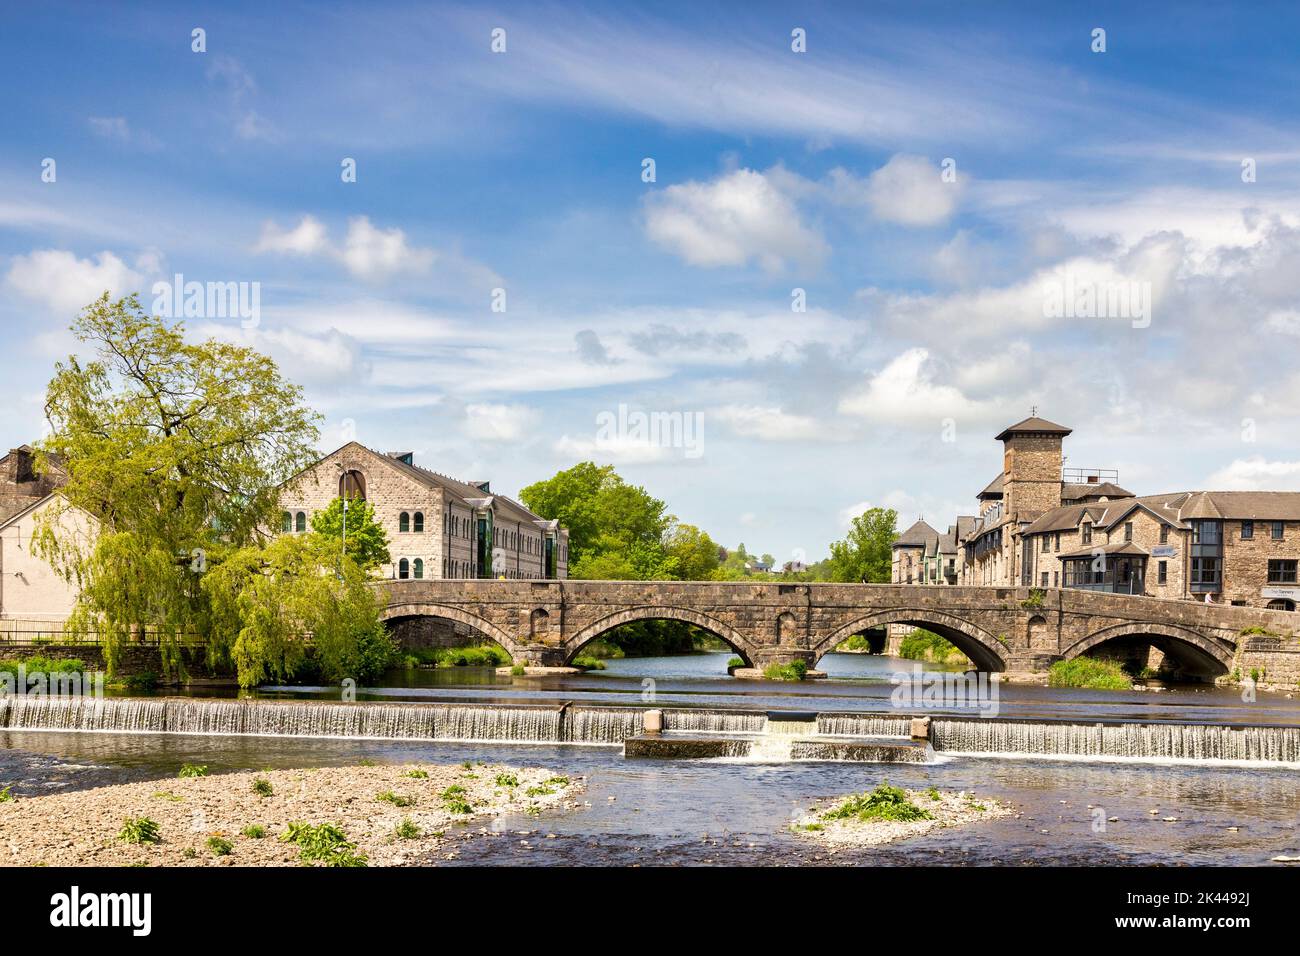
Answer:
(865, 554)
(269, 603)
(178, 450)
(689, 553)
(367, 542)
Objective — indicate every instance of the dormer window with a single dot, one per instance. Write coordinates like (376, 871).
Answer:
(1085, 533)
(352, 484)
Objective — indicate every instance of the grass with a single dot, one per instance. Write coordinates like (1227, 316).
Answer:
(168, 795)
(507, 780)
(254, 831)
(5, 795)
(220, 846)
(923, 645)
(482, 655)
(588, 663)
(603, 650)
(883, 803)
(193, 770)
(139, 830)
(518, 670)
(417, 774)
(735, 662)
(406, 830)
(453, 800)
(396, 799)
(262, 787)
(1094, 673)
(795, 670)
(44, 665)
(325, 843)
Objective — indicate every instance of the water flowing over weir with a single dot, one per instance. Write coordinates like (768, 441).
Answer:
(741, 732)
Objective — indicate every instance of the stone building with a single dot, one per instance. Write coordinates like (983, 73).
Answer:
(437, 527)
(1041, 525)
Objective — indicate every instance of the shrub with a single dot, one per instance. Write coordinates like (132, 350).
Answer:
(507, 780)
(518, 671)
(883, 803)
(262, 787)
(325, 843)
(396, 799)
(139, 830)
(220, 846)
(417, 774)
(5, 795)
(735, 662)
(254, 832)
(795, 670)
(193, 770)
(406, 830)
(587, 663)
(1093, 673)
(1035, 599)
(923, 645)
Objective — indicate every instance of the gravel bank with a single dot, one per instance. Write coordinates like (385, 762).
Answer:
(82, 828)
(949, 810)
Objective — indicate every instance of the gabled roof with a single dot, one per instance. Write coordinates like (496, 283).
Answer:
(915, 536)
(1118, 547)
(1103, 489)
(1033, 426)
(992, 490)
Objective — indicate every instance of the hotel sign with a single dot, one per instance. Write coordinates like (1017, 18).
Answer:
(1286, 594)
(1164, 551)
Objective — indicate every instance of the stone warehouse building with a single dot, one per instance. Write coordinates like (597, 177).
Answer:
(1039, 525)
(437, 527)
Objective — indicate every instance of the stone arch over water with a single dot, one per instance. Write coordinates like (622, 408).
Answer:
(394, 614)
(595, 630)
(1196, 654)
(984, 650)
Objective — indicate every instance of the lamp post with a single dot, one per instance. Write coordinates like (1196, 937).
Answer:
(343, 494)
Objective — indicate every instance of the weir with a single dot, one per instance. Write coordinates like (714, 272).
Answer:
(777, 736)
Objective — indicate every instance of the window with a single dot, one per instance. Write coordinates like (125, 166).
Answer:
(1276, 530)
(1162, 572)
(1282, 571)
(286, 522)
(1056, 579)
(1128, 531)
(1281, 604)
(300, 522)
(404, 523)
(1164, 534)
(352, 485)
(1047, 543)
(418, 522)
(1086, 534)
(1205, 574)
(403, 569)
(1057, 543)
(1247, 530)
(1044, 579)
(417, 568)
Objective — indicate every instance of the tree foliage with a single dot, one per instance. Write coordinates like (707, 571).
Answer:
(367, 541)
(866, 552)
(178, 450)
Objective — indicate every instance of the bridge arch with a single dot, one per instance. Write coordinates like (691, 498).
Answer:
(489, 630)
(1201, 653)
(984, 650)
(658, 612)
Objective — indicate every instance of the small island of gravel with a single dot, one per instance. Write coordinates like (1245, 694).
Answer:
(327, 816)
(887, 813)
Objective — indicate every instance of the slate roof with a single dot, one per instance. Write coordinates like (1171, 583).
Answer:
(1034, 426)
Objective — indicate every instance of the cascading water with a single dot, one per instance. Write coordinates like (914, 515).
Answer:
(715, 722)
(1181, 742)
(863, 725)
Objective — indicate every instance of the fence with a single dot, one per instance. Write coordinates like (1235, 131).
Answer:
(34, 633)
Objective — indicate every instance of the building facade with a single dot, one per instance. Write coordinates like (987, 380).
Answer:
(1041, 525)
(438, 527)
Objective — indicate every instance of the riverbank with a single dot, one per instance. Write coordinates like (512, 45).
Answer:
(389, 815)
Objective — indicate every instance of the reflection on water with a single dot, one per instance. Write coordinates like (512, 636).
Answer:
(675, 812)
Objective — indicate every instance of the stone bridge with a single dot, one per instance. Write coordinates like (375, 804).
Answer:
(1017, 630)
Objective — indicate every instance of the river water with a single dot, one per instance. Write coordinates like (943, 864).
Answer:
(650, 812)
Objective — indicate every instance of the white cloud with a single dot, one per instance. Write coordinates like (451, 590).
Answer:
(769, 423)
(1256, 473)
(64, 284)
(374, 254)
(500, 423)
(907, 190)
(615, 450)
(738, 217)
(905, 392)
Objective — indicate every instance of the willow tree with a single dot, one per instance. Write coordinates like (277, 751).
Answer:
(177, 449)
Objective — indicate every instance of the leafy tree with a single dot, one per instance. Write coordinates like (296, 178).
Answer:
(178, 450)
(266, 600)
(367, 542)
(689, 553)
(865, 554)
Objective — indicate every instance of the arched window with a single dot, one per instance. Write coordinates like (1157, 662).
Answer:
(404, 523)
(300, 523)
(352, 484)
(1281, 604)
(403, 569)
(286, 522)
(419, 522)
(418, 568)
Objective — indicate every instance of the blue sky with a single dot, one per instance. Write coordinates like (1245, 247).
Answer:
(925, 329)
